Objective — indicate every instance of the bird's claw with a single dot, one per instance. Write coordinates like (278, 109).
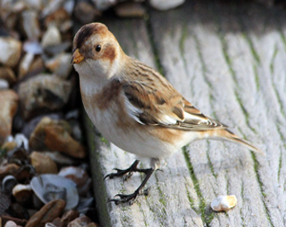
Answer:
(119, 173)
(130, 198)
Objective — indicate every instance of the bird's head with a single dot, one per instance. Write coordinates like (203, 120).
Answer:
(96, 51)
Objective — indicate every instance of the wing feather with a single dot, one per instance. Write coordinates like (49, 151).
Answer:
(165, 107)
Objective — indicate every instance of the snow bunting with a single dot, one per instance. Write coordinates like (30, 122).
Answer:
(135, 107)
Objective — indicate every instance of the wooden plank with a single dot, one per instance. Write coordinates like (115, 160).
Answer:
(229, 61)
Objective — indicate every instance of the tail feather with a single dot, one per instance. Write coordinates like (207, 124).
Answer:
(231, 137)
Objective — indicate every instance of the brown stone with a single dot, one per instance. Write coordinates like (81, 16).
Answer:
(92, 225)
(8, 169)
(22, 192)
(85, 12)
(43, 93)
(130, 9)
(69, 216)
(42, 163)
(6, 218)
(60, 65)
(10, 51)
(57, 222)
(7, 73)
(9, 105)
(60, 140)
(25, 64)
(47, 213)
(51, 134)
(9, 145)
(81, 221)
(51, 37)
(60, 18)
(31, 25)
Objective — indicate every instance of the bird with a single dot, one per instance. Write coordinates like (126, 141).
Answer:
(135, 107)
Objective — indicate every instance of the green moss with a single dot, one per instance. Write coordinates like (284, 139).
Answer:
(256, 169)
(209, 162)
(102, 139)
(191, 200)
(154, 46)
(280, 165)
(252, 48)
(204, 67)
(227, 57)
(207, 217)
(273, 58)
(256, 77)
(182, 40)
(246, 115)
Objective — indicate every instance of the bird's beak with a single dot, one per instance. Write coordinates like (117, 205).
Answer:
(77, 57)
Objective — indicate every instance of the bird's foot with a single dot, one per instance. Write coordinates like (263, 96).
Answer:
(126, 173)
(129, 198)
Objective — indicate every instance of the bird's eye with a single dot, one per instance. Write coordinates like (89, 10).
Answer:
(98, 48)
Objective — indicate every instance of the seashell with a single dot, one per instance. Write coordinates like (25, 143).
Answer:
(8, 183)
(224, 203)
(48, 187)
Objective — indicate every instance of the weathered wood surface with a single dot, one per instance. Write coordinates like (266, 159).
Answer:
(230, 62)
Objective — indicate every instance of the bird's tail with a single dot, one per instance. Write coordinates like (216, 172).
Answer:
(227, 135)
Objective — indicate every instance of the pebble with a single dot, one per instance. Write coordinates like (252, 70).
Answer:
(130, 9)
(165, 4)
(8, 184)
(8, 169)
(25, 64)
(6, 73)
(31, 25)
(104, 4)
(10, 51)
(8, 145)
(33, 47)
(10, 224)
(85, 12)
(82, 221)
(4, 84)
(43, 163)
(43, 93)
(53, 135)
(18, 221)
(51, 37)
(60, 65)
(21, 140)
(60, 18)
(22, 192)
(69, 216)
(59, 158)
(9, 105)
(47, 213)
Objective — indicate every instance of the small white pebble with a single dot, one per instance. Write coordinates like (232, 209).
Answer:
(21, 138)
(4, 84)
(224, 202)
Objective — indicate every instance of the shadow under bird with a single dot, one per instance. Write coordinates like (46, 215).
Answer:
(135, 107)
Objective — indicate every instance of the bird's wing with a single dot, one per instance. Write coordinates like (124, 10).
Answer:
(163, 105)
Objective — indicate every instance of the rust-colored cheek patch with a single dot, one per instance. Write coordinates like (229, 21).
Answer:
(109, 53)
